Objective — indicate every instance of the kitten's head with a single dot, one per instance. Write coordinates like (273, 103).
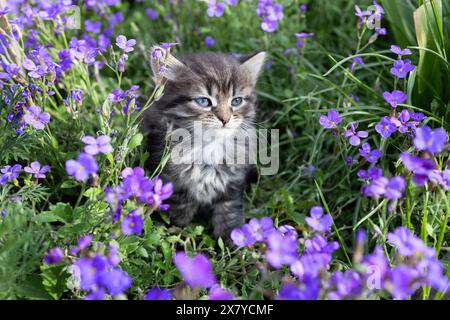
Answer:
(216, 89)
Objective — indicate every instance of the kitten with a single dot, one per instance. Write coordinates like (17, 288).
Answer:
(215, 92)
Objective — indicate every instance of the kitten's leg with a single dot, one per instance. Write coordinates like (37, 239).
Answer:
(227, 215)
(182, 210)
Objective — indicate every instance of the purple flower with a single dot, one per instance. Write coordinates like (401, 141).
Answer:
(391, 189)
(9, 173)
(403, 124)
(89, 270)
(376, 188)
(349, 161)
(442, 178)
(97, 145)
(394, 188)
(430, 140)
(53, 256)
(121, 63)
(386, 127)
(82, 244)
(407, 243)
(402, 281)
(231, 2)
(36, 118)
(371, 174)
(113, 255)
(116, 281)
(219, 293)
(36, 170)
(196, 271)
(271, 13)
(395, 97)
(379, 261)
(355, 135)
(210, 42)
(242, 237)
(318, 221)
(381, 31)
(361, 14)
(77, 95)
(93, 26)
(320, 244)
(347, 285)
(302, 35)
(81, 168)
(157, 293)
(34, 71)
(260, 229)
(379, 11)
(132, 223)
(116, 95)
(11, 71)
(215, 9)
(357, 61)
(308, 289)
(303, 8)
(417, 116)
(282, 250)
(371, 156)
(421, 168)
(288, 231)
(151, 13)
(124, 44)
(398, 51)
(401, 68)
(160, 193)
(98, 294)
(331, 120)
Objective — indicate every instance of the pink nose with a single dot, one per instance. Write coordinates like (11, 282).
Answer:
(224, 118)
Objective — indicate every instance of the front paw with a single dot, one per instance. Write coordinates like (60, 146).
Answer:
(179, 219)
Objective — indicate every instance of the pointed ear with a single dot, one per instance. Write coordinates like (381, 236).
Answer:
(253, 65)
(164, 64)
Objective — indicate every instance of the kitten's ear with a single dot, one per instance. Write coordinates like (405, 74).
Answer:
(253, 65)
(164, 64)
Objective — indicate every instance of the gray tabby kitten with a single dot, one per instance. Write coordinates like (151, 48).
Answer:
(216, 91)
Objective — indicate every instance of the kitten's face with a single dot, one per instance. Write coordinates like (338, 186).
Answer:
(215, 89)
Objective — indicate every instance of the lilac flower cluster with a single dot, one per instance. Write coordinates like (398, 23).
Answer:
(138, 187)
(98, 272)
(424, 168)
(419, 266)
(197, 272)
(9, 173)
(372, 17)
(94, 271)
(401, 68)
(118, 96)
(125, 46)
(271, 13)
(416, 264)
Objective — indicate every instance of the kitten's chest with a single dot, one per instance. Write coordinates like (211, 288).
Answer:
(204, 183)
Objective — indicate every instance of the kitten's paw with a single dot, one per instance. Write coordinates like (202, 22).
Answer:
(180, 220)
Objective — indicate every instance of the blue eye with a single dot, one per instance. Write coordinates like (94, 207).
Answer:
(236, 102)
(203, 102)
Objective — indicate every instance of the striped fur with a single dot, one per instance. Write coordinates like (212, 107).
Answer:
(212, 187)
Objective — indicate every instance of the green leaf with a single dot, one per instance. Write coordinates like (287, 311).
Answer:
(69, 184)
(54, 280)
(92, 193)
(135, 141)
(48, 217)
(33, 288)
